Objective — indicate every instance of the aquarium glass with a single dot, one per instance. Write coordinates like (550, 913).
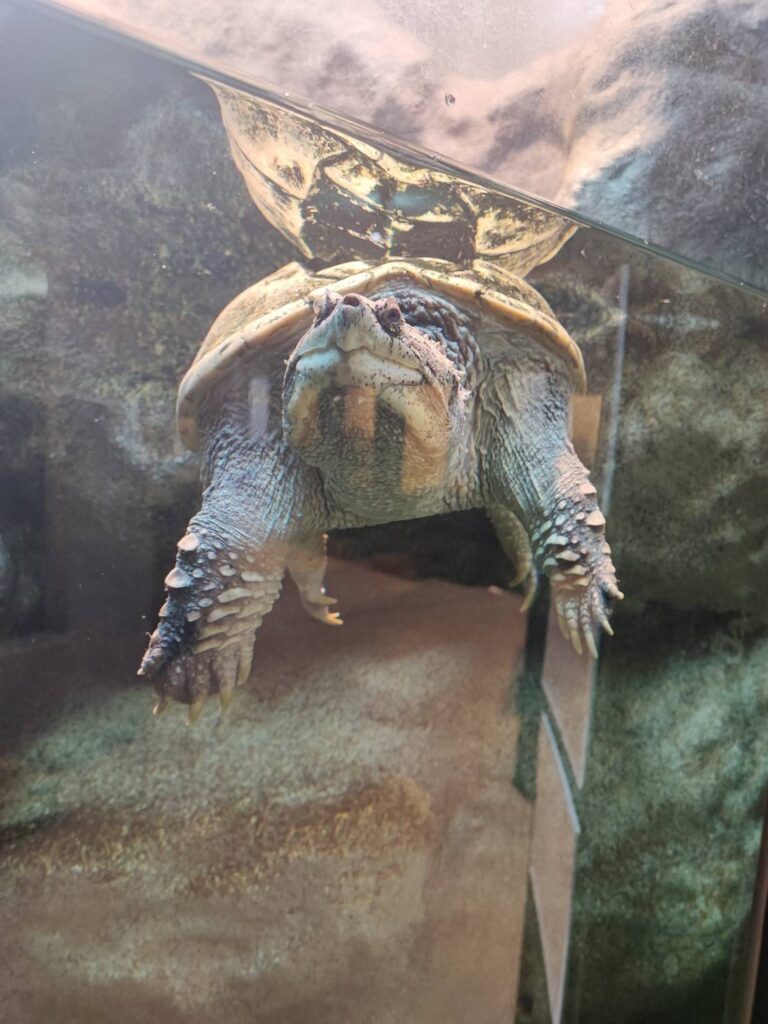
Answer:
(439, 812)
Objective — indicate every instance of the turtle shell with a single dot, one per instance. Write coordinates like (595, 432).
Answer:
(337, 197)
(272, 314)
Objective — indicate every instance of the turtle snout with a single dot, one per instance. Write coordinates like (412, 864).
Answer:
(355, 311)
(357, 326)
(343, 309)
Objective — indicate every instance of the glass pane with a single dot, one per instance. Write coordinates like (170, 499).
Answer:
(440, 811)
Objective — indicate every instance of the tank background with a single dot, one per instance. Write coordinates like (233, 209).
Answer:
(104, 226)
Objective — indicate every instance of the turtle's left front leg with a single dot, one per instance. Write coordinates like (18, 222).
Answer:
(531, 467)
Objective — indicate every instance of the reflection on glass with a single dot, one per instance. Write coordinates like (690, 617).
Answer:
(646, 118)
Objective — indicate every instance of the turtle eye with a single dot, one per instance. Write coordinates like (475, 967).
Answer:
(389, 314)
(322, 307)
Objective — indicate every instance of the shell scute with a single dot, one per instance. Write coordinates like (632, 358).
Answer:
(269, 316)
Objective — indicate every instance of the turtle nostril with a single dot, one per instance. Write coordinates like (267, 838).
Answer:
(351, 300)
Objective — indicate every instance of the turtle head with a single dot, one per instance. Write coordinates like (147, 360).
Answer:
(361, 378)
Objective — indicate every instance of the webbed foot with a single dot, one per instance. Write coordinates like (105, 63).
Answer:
(582, 604)
(190, 678)
(319, 609)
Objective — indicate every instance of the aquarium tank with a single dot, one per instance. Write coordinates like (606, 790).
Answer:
(445, 326)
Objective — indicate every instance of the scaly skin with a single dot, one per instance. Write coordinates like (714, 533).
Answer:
(230, 562)
(532, 467)
(479, 425)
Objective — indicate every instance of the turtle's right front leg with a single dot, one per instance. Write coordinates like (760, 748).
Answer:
(218, 592)
(228, 574)
(531, 469)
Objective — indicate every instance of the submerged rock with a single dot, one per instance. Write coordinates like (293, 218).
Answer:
(672, 816)
(119, 243)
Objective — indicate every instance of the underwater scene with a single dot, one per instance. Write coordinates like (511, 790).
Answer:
(264, 372)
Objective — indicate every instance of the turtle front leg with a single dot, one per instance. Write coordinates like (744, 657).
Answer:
(532, 468)
(228, 574)
(570, 545)
(217, 594)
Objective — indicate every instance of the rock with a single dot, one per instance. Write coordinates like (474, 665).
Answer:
(667, 139)
(5, 575)
(673, 814)
(119, 243)
(23, 525)
(657, 129)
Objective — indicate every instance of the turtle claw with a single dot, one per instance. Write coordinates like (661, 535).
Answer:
(530, 589)
(581, 611)
(589, 638)
(195, 710)
(161, 705)
(562, 624)
(318, 608)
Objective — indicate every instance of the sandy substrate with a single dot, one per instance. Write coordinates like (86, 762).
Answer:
(347, 847)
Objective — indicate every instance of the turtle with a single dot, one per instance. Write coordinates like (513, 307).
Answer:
(363, 393)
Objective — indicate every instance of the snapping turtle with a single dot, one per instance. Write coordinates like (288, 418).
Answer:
(366, 393)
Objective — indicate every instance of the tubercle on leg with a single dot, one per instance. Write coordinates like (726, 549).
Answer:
(571, 548)
(567, 536)
(216, 597)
